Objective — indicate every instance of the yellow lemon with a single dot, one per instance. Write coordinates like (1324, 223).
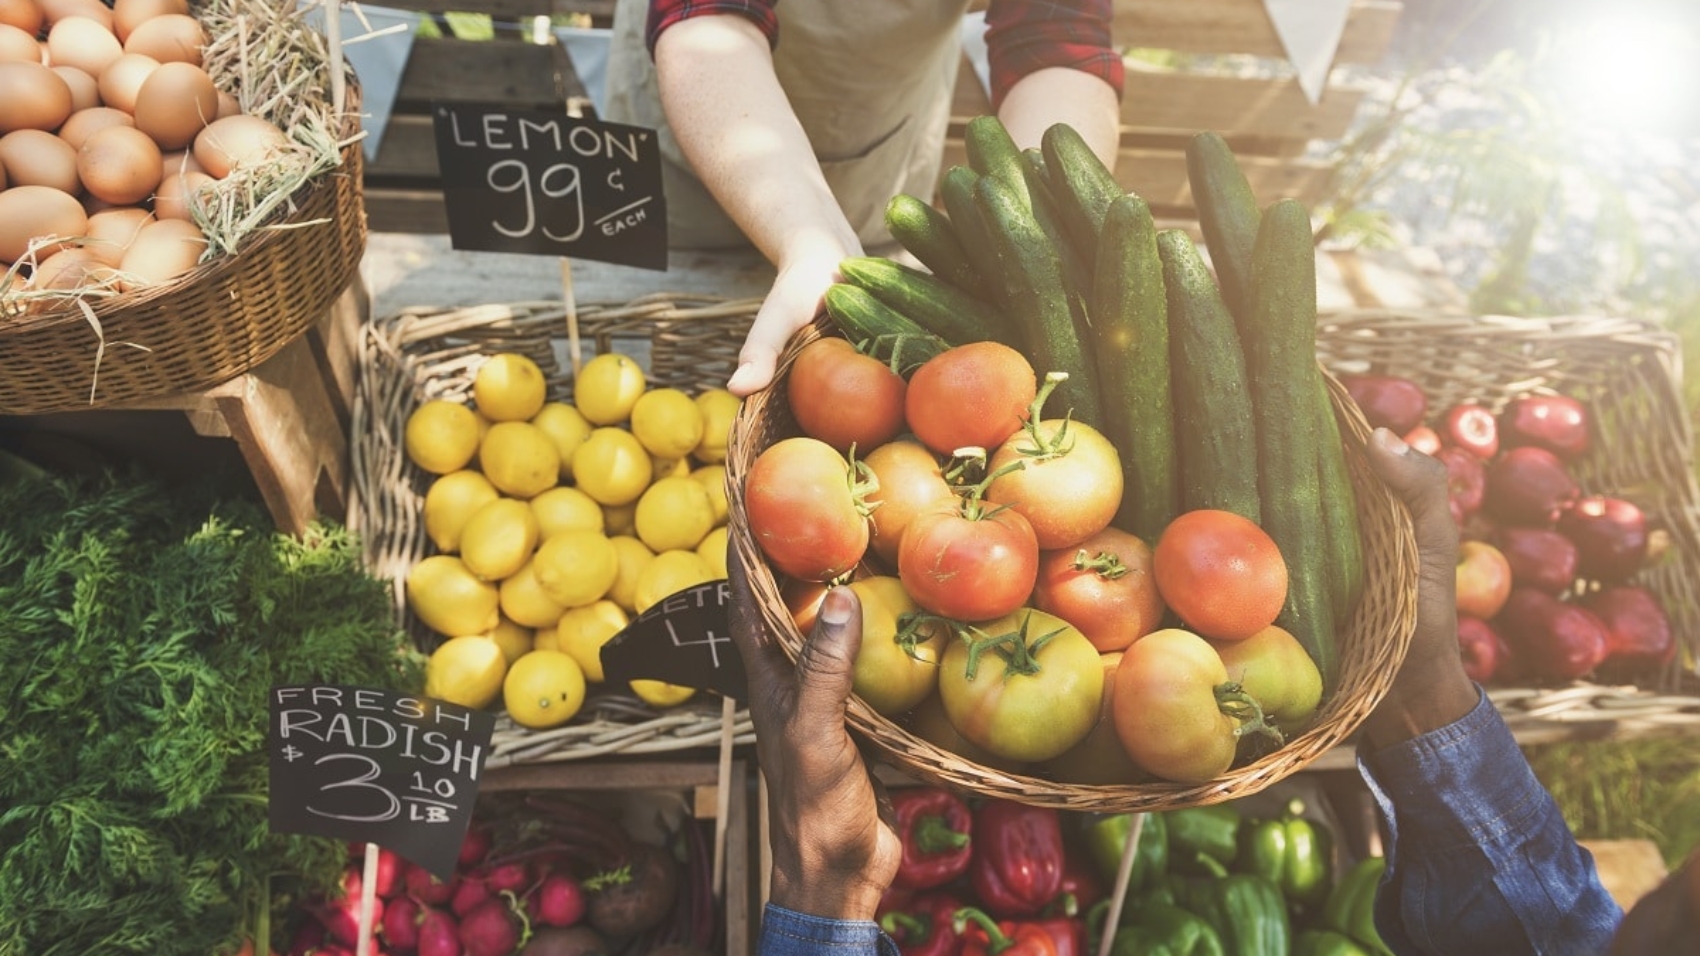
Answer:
(509, 387)
(467, 671)
(566, 428)
(499, 538)
(674, 514)
(523, 599)
(543, 689)
(441, 436)
(543, 639)
(576, 567)
(515, 640)
(566, 509)
(657, 693)
(670, 573)
(713, 480)
(451, 500)
(668, 422)
(713, 550)
(449, 599)
(718, 407)
(519, 459)
(583, 631)
(612, 467)
(634, 557)
(607, 387)
(619, 519)
(668, 468)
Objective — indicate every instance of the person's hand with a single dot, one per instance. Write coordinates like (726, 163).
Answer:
(792, 303)
(1431, 689)
(833, 855)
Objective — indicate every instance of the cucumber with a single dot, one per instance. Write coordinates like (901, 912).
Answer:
(1280, 350)
(930, 237)
(1339, 512)
(1083, 185)
(1228, 214)
(1215, 442)
(957, 191)
(1039, 301)
(1131, 332)
(879, 330)
(1076, 260)
(991, 152)
(928, 301)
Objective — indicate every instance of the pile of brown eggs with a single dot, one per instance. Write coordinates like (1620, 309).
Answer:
(108, 126)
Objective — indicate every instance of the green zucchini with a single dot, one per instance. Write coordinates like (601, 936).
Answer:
(930, 237)
(1214, 438)
(1339, 512)
(1228, 215)
(1131, 333)
(879, 330)
(957, 191)
(927, 300)
(991, 152)
(1083, 185)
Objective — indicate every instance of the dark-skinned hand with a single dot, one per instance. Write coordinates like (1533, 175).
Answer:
(833, 855)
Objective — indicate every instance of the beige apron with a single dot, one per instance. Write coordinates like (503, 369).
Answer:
(870, 80)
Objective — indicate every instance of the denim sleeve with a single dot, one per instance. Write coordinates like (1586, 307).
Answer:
(1481, 860)
(790, 933)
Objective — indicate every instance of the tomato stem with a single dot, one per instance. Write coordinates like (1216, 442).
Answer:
(1058, 444)
(1019, 656)
(1108, 565)
(917, 627)
(974, 496)
(1233, 700)
(863, 482)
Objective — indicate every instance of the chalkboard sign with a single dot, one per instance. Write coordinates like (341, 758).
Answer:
(362, 764)
(683, 639)
(546, 183)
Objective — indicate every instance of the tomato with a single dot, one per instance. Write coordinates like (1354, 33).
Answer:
(970, 396)
(962, 561)
(930, 723)
(1027, 688)
(1175, 710)
(1099, 758)
(1104, 586)
(892, 674)
(843, 397)
(1221, 573)
(1063, 476)
(910, 481)
(805, 509)
(1274, 668)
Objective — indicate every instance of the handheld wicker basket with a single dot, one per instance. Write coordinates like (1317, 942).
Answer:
(425, 353)
(1372, 646)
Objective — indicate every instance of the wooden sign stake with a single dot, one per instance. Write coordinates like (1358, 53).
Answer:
(333, 40)
(723, 792)
(368, 898)
(571, 303)
(1124, 876)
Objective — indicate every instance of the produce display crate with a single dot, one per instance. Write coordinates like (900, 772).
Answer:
(1372, 645)
(420, 354)
(1629, 374)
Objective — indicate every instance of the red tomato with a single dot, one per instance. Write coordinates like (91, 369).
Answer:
(1274, 668)
(1063, 476)
(964, 562)
(892, 676)
(970, 396)
(1100, 759)
(910, 481)
(1166, 712)
(1027, 689)
(805, 510)
(1105, 587)
(1221, 573)
(843, 397)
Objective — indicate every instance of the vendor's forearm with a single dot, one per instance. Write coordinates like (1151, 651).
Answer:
(1064, 95)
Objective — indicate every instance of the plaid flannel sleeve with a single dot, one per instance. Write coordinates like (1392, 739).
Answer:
(1027, 35)
(665, 13)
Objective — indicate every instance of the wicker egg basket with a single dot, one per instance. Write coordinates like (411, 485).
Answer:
(1371, 646)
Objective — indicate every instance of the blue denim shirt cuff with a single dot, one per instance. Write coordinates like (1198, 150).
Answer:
(786, 932)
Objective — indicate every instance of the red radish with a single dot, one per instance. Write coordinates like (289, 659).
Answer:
(491, 929)
(1423, 439)
(509, 877)
(309, 937)
(1472, 428)
(468, 894)
(475, 847)
(342, 917)
(439, 934)
(401, 924)
(560, 901)
(426, 888)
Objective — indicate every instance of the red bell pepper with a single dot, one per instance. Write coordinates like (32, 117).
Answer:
(981, 936)
(926, 927)
(933, 825)
(1018, 857)
(1080, 889)
(1067, 933)
(894, 898)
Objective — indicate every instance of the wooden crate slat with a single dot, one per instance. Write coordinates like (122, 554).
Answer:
(520, 75)
(409, 151)
(406, 210)
(514, 9)
(1243, 26)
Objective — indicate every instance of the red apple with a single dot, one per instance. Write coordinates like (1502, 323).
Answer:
(1557, 423)
(1540, 558)
(1529, 486)
(1388, 401)
(1483, 578)
(1472, 428)
(1610, 536)
(1554, 640)
(1478, 644)
(1423, 439)
(1466, 482)
(1638, 634)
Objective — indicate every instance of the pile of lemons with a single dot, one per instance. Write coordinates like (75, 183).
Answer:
(556, 523)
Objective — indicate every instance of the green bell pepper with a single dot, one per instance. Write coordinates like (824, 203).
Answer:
(1202, 832)
(1291, 852)
(1107, 835)
(1350, 910)
(1162, 929)
(1247, 911)
(1324, 942)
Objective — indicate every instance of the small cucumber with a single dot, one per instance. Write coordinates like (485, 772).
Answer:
(930, 237)
(957, 191)
(991, 152)
(927, 300)
(1339, 512)
(1228, 215)
(879, 330)
(1083, 185)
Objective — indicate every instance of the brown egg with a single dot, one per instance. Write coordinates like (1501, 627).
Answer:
(52, 11)
(85, 90)
(32, 212)
(69, 270)
(127, 14)
(162, 251)
(33, 157)
(228, 105)
(23, 14)
(111, 232)
(175, 103)
(179, 161)
(32, 97)
(175, 198)
(120, 165)
(84, 123)
(16, 46)
(236, 141)
(2, 179)
(171, 38)
(123, 80)
(81, 42)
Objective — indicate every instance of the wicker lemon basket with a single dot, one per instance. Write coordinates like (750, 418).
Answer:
(1372, 645)
(218, 320)
(425, 353)
(1629, 374)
